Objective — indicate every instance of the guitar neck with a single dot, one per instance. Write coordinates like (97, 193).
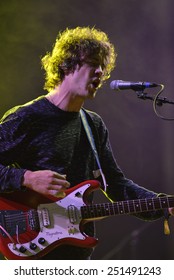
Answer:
(94, 211)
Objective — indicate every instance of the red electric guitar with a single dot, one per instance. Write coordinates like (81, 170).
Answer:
(31, 225)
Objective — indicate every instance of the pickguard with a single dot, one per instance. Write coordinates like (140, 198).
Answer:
(58, 220)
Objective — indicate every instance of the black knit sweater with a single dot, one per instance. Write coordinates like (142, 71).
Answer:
(40, 136)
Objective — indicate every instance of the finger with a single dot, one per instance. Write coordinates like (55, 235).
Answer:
(62, 183)
(171, 211)
(57, 187)
(59, 176)
(59, 194)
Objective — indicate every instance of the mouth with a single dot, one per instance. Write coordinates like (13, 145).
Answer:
(96, 83)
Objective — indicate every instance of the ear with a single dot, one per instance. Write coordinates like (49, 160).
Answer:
(77, 67)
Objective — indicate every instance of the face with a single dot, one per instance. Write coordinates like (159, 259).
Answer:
(85, 80)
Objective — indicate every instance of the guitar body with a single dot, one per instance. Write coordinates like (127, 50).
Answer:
(32, 225)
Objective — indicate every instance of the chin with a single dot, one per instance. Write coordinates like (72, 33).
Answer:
(92, 95)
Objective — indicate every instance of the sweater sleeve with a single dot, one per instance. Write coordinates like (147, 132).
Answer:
(11, 138)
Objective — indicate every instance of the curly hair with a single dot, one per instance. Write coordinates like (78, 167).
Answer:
(78, 46)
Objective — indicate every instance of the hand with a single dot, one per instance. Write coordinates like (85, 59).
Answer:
(46, 182)
(171, 211)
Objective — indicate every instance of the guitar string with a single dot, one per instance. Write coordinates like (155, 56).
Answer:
(9, 236)
(135, 204)
(132, 203)
(16, 215)
(9, 218)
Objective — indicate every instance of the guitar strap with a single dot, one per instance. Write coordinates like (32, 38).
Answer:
(90, 137)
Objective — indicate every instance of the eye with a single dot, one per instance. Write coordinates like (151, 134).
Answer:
(93, 63)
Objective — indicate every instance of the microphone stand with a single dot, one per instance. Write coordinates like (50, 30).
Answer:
(159, 101)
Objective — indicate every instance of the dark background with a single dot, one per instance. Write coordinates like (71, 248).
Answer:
(142, 32)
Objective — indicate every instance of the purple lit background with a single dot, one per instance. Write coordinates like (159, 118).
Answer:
(142, 32)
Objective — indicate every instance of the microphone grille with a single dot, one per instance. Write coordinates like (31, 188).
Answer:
(114, 84)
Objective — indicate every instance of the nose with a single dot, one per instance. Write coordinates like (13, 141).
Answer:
(99, 71)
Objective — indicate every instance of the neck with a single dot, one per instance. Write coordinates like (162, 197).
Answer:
(65, 100)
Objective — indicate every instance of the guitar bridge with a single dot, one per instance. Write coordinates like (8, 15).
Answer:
(9, 219)
(33, 219)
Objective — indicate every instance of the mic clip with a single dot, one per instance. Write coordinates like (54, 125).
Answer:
(159, 101)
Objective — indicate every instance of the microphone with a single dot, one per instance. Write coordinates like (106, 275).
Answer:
(121, 85)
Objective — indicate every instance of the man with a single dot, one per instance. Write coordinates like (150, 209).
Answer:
(44, 146)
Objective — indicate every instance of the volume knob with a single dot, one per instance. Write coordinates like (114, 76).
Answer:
(33, 246)
(41, 240)
(22, 249)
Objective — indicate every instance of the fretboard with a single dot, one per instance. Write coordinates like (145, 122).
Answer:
(94, 211)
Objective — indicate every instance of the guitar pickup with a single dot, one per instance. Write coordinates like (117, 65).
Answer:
(73, 214)
(45, 217)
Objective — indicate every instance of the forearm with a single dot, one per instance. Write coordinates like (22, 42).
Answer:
(11, 178)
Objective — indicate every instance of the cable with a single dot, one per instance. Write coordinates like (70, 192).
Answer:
(156, 103)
